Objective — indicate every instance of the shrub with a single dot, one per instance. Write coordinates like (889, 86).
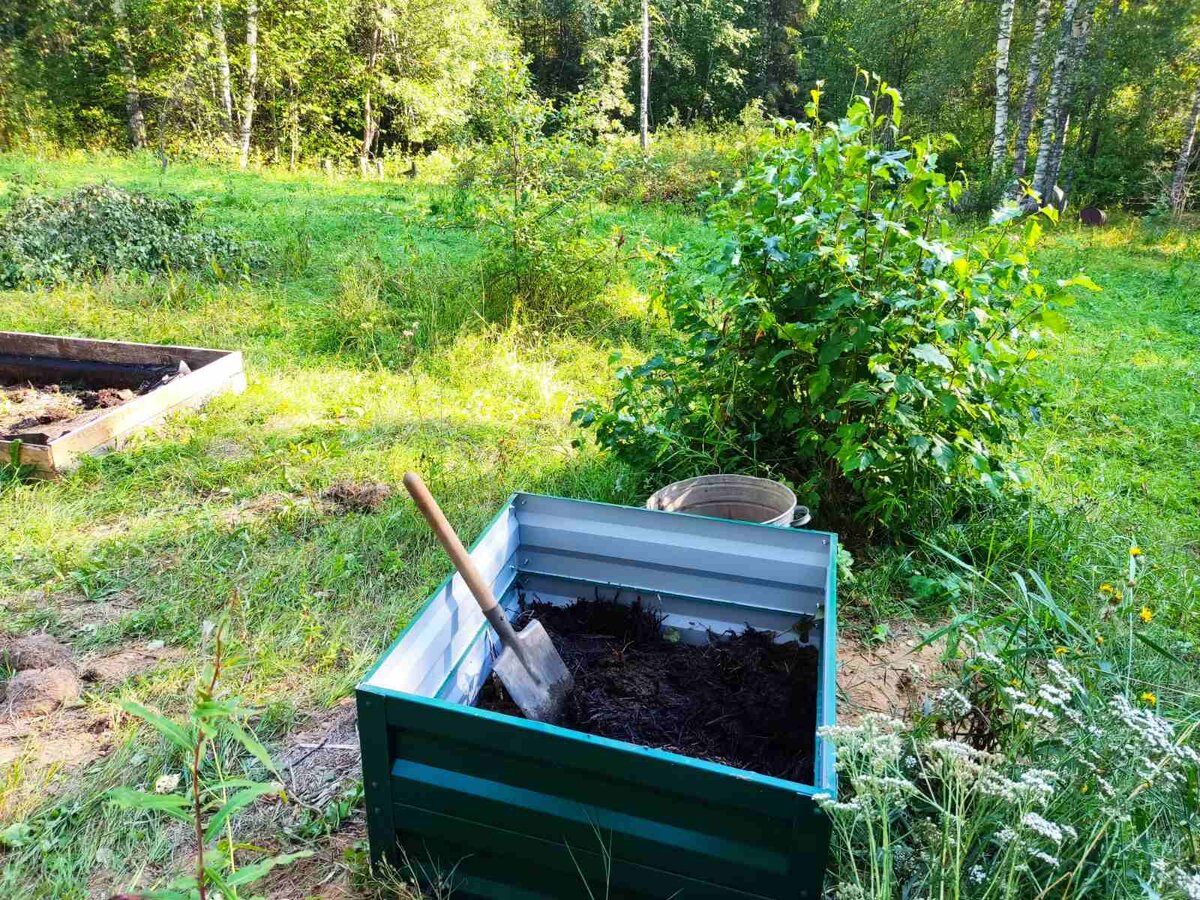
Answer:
(841, 334)
(101, 229)
(533, 192)
(684, 163)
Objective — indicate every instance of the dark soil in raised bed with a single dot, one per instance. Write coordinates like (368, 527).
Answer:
(743, 700)
(37, 413)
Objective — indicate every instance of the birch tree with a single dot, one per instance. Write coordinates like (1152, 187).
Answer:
(1000, 131)
(1080, 32)
(224, 82)
(1054, 96)
(135, 118)
(1177, 195)
(645, 85)
(1032, 77)
(251, 80)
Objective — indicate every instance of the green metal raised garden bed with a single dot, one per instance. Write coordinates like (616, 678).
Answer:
(500, 807)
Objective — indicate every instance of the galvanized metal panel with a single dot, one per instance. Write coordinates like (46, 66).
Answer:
(437, 639)
(649, 551)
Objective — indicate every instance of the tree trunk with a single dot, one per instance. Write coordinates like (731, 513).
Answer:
(1094, 103)
(133, 97)
(251, 79)
(224, 83)
(1052, 115)
(1025, 122)
(1000, 132)
(369, 124)
(645, 86)
(1080, 31)
(1177, 196)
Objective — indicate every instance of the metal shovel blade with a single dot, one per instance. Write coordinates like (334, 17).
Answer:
(534, 675)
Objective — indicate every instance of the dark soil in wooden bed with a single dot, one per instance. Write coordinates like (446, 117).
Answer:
(38, 413)
(742, 700)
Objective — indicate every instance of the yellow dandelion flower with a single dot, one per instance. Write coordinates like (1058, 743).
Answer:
(1147, 614)
(1107, 588)
(1061, 651)
(1099, 640)
(1135, 550)
(1149, 697)
(1084, 788)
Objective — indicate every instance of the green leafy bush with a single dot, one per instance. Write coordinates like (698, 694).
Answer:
(100, 229)
(842, 335)
(683, 163)
(533, 192)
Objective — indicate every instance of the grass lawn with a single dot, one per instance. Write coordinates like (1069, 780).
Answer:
(220, 513)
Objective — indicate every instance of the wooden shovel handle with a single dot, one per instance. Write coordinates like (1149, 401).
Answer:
(454, 547)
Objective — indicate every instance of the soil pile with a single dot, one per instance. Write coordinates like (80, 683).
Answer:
(742, 700)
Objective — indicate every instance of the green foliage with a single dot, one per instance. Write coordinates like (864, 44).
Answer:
(101, 229)
(842, 335)
(534, 190)
(685, 163)
(1046, 766)
(207, 804)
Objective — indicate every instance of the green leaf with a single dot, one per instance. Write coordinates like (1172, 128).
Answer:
(15, 835)
(174, 805)
(932, 355)
(1158, 648)
(943, 454)
(172, 731)
(251, 743)
(1080, 280)
(252, 873)
(241, 799)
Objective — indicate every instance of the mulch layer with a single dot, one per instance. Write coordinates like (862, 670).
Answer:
(742, 700)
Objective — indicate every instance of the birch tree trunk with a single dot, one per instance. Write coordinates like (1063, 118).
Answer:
(1080, 31)
(369, 125)
(224, 82)
(1053, 112)
(1000, 132)
(645, 86)
(1177, 196)
(251, 80)
(135, 118)
(1033, 76)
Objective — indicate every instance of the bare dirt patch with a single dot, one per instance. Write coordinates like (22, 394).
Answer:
(356, 496)
(113, 668)
(891, 678)
(326, 875)
(322, 759)
(66, 738)
(264, 506)
(34, 651)
(42, 720)
(36, 692)
(80, 615)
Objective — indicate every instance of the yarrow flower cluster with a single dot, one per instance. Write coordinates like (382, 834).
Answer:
(1149, 743)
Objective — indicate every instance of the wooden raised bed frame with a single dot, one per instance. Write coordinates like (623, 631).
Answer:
(41, 357)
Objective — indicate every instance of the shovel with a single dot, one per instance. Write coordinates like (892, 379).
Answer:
(529, 667)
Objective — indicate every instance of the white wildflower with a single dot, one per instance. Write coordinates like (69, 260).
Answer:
(952, 702)
(1047, 829)
(166, 784)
